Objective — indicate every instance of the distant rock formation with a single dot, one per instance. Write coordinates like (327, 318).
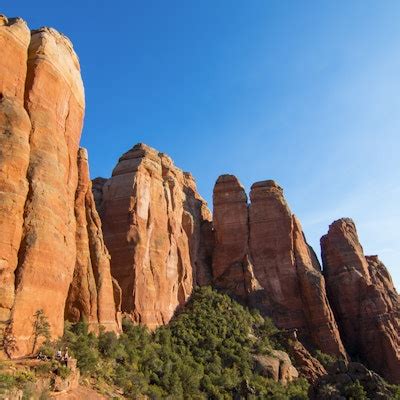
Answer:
(153, 219)
(364, 300)
(41, 116)
(261, 256)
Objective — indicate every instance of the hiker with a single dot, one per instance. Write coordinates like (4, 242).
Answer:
(58, 354)
(42, 356)
(66, 356)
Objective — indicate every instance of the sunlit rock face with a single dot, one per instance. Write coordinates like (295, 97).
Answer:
(41, 117)
(364, 300)
(153, 221)
(15, 128)
(261, 256)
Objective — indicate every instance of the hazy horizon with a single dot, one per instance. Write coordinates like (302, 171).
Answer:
(305, 94)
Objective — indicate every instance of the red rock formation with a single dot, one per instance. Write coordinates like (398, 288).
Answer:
(232, 268)
(152, 218)
(307, 365)
(15, 128)
(261, 255)
(41, 116)
(321, 322)
(54, 100)
(366, 305)
(90, 296)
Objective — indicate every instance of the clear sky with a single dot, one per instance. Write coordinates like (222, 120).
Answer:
(303, 92)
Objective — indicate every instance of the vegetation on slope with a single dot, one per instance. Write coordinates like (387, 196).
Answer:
(204, 353)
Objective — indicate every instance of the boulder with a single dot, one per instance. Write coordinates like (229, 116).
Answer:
(276, 366)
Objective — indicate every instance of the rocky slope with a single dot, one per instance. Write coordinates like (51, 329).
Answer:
(364, 300)
(152, 219)
(41, 117)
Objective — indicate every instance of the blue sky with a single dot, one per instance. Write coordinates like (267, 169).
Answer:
(303, 92)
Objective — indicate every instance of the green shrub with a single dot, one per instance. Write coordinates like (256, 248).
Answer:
(63, 372)
(24, 376)
(355, 391)
(44, 368)
(325, 359)
(7, 381)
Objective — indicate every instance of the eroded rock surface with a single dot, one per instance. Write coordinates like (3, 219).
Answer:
(261, 256)
(152, 220)
(364, 300)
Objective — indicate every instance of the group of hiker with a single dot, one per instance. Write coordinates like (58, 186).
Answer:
(61, 356)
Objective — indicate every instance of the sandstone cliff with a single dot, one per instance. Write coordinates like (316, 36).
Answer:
(41, 116)
(15, 127)
(365, 303)
(152, 220)
(261, 256)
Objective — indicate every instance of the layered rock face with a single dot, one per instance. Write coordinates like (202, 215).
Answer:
(41, 116)
(365, 303)
(152, 220)
(261, 256)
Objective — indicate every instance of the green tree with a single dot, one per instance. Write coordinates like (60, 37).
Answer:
(41, 328)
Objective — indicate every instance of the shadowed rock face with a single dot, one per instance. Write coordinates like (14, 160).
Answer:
(261, 256)
(90, 296)
(364, 300)
(152, 220)
(41, 116)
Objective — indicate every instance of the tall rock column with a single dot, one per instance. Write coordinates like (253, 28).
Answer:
(15, 129)
(321, 323)
(149, 221)
(54, 99)
(271, 249)
(232, 269)
(365, 303)
(91, 294)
